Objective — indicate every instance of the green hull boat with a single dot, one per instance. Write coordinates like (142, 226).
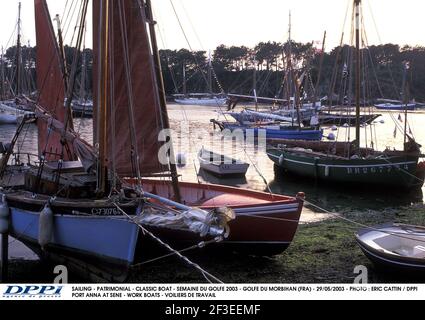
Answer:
(379, 168)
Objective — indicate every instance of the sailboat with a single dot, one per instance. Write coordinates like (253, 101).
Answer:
(91, 207)
(83, 107)
(347, 162)
(277, 126)
(209, 99)
(12, 111)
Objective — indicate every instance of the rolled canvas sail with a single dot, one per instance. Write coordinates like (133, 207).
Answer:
(133, 96)
(50, 84)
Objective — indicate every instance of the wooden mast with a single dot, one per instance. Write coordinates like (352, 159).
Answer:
(102, 99)
(210, 86)
(3, 92)
(18, 55)
(184, 79)
(62, 52)
(357, 18)
(163, 101)
(405, 100)
(319, 75)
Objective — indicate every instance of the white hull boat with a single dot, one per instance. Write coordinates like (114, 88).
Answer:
(394, 246)
(208, 102)
(12, 115)
(221, 165)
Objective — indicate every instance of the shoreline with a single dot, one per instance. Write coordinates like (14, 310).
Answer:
(323, 251)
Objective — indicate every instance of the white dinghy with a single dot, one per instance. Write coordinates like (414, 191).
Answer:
(221, 165)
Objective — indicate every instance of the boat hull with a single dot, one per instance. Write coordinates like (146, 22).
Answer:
(338, 119)
(270, 133)
(397, 171)
(383, 257)
(264, 224)
(221, 165)
(225, 170)
(202, 102)
(395, 107)
(96, 245)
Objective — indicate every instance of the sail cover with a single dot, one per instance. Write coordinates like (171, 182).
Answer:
(133, 120)
(50, 84)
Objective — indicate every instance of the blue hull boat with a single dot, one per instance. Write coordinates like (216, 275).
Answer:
(396, 107)
(273, 131)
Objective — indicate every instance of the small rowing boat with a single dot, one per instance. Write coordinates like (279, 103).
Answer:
(221, 165)
(394, 246)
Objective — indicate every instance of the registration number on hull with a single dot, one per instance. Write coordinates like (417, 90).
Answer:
(377, 169)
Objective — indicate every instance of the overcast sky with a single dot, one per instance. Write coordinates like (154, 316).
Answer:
(247, 22)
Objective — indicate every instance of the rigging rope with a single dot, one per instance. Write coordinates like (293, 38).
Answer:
(339, 216)
(206, 274)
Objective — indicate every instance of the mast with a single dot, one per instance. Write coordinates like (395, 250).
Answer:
(83, 76)
(210, 90)
(184, 79)
(357, 10)
(405, 99)
(163, 102)
(18, 54)
(254, 85)
(62, 51)
(319, 75)
(102, 99)
(2, 75)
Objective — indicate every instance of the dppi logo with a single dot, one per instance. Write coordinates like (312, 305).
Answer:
(33, 292)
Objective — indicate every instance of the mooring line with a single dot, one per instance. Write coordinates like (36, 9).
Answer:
(339, 216)
(208, 276)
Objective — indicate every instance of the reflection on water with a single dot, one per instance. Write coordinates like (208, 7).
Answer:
(332, 197)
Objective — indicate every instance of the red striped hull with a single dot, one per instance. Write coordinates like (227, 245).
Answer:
(265, 224)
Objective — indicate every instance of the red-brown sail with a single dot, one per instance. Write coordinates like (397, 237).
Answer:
(50, 84)
(133, 100)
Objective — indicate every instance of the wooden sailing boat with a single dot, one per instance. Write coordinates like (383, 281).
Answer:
(284, 124)
(65, 208)
(73, 204)
(328, 161)
(209, 99)
(12, 111)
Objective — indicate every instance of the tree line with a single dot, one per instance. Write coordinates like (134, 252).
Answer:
(233, 68)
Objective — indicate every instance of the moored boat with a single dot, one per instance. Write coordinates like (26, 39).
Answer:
(265, 224)
(202, 101)
(328, 118)
(221, 165)
(73, 204)
(396, 107)
(272, 130)
(343, 164)
(352, 163)
(395, 247)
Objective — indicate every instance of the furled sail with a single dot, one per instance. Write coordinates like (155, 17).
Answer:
(51, 86)
(133, 120)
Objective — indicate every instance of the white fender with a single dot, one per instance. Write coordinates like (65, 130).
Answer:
(45, 226)
(327, 171)
(331, 137)
(181, 159)
(281, 159)
(4, 215)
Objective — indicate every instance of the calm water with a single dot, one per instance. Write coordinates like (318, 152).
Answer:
(193, 130)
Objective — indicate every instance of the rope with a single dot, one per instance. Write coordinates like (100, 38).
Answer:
(339, 216)
(206, 274)
(197, 246)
